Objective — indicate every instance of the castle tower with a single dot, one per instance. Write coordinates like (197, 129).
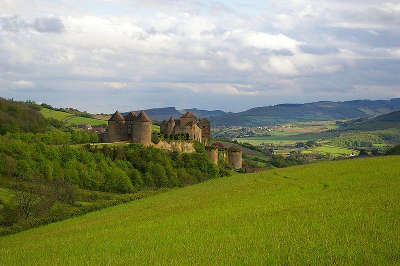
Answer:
(188, 117)
(171, 126)
(117, 128)
(213, 154)
(235, 158)
(129, 119)
(205, 126)
(141, 129)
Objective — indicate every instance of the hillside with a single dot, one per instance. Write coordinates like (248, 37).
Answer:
(391, 120)
(71, 119)
(20, 117)
(343, 212)
(318, 111)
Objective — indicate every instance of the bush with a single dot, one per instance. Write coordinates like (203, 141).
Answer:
(155, 138)
(394, 151)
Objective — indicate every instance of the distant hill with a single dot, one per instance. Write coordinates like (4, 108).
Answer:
(318, 111)
(159, 114)
(391, 120)
(204, 113)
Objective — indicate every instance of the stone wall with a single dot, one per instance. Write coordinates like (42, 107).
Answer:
(141, 133)
(213, 155)
(235, 159)
(117, 131)
(178, 146)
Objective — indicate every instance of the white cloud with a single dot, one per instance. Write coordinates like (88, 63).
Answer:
(180, 51)
(263, 40)
(116, 85)
(24, 84)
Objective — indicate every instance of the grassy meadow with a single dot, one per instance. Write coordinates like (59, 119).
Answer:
(342, 212)
(71, 119)
(332, 150)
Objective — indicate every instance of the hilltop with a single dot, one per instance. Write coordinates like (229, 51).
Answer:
(391, 120)
(343, 212)
(160, 114)
(285, 113)
(318, 111)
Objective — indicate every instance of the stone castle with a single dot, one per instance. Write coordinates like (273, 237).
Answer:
(137, 128)
(188, 125)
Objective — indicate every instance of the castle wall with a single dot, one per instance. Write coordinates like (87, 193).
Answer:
(205, 131)
(141, 132)
(235, 159)
(213, 155)
(178, 146)
(117, 131)
(197, 133)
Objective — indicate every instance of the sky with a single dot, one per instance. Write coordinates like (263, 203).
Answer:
(104, 55)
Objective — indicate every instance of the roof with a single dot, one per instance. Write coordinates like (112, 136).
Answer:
(131, 116)
(171, 119)
(142, 117)
(189, 115)
(191, 123)
(117, 117)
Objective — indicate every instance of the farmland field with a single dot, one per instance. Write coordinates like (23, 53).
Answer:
(335, 151)
(47, 113)
(343, 212)
(282, 140)
(71, 119)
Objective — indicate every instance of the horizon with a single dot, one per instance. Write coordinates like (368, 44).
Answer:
(215, 55)
(198, 108)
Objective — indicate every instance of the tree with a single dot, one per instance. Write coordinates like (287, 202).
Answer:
(10, 165)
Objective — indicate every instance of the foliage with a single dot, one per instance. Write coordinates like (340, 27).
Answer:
(394, 151)
(20, 117)
(57, 137)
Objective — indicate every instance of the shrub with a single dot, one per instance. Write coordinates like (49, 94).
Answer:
(394, 151)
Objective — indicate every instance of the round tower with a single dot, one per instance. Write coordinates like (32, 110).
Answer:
(117, 128)
(235, 158)
(141, 129)
(129, 119)
(213, 154)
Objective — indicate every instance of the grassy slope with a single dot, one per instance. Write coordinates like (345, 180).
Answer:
(71, 119)
(344, 212)
(333, 150)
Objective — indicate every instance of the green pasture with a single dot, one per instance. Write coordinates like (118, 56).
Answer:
(282, 140)
(155, 128)
(71, 119)
(340, 212)
(48, 113)
(333, 150)
(76, 120)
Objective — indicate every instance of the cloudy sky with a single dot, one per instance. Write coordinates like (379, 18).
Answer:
(102, 55)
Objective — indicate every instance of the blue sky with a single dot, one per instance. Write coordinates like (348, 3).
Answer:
(103, 55)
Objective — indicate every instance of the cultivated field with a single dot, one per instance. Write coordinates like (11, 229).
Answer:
(71, 119)
(344, 212)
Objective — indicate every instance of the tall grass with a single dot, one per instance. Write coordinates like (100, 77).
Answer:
(344, 212)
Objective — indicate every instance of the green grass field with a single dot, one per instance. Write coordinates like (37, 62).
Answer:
(333, 150)
(282, 140)
(71, 119)
(48, 113)
(343, 212)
